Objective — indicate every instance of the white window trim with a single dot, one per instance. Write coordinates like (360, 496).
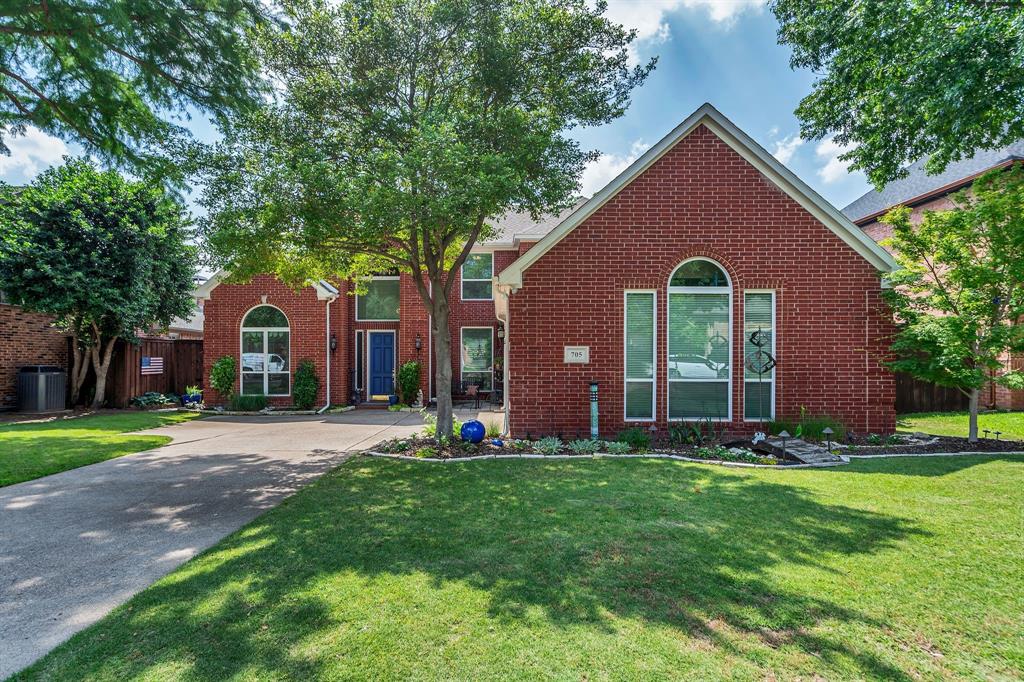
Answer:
(489, 280)
(462, 364)
(625, 357)
(266, 365)
(376, 278)
(775, 334)
(367, 377)
(668, 342)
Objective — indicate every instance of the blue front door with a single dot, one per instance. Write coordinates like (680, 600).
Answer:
(382, 364)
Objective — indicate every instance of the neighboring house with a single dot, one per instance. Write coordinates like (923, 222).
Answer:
(26, 339)
(651, 289)
(922, 192)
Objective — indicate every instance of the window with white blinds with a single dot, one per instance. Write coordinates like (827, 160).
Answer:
(640, 355)
(758, 390)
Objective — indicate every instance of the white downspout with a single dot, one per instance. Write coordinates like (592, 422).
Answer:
(327, 396)
(504, 316)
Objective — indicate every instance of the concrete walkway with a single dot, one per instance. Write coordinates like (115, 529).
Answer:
(76, 544)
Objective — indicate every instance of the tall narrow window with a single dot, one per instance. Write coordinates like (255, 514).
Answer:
(476, 277)
(477, 357)
(699, 342)
(758, 328)
(639, 397)
(265, 346)
(381, 301)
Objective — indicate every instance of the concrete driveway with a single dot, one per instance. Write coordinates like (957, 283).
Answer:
(76, 544)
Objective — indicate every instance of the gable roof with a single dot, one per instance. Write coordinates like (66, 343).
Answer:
(746, 147)
(919, 186)
(324, 290)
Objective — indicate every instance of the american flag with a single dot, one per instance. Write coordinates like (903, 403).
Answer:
(152, 365)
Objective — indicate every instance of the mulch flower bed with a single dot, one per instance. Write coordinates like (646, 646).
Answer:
(923, 444)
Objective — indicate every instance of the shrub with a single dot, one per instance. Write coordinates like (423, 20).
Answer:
(222, 376)
(248, 403)
(616, 447)
(808, 426)
(193, 390)
(152, 399)
(637, 438)
(408, 382)
(306, 385)
(548, 446)
(493, 430)
(585, 447)
(427, 451)
(874, 439)
(430, 424)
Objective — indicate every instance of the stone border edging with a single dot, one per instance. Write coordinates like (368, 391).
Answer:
(272, 413)
(605, 455)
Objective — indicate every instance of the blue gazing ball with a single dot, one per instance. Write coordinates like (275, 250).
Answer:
(473, 431)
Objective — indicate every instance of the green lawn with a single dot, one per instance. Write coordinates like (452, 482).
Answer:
(595, 569)
(28, 451)
(955, 423)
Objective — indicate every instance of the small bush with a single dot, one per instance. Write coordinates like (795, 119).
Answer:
(397, 407)
(874, 439)
(152, 399)
(615, 447)
(408, 382)
(548, 446)
(493, 430)
(222, 376)
(427, 451)
(638, 439)
(584, 447)
(248, 403)
(306, 385)
(808, 426)
(193, 390)
(430, 424)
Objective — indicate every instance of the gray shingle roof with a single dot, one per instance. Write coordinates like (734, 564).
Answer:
(511, 226)
(919, 183)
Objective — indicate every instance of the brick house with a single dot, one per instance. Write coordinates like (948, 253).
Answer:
(922, 192)
(26, 338)
(652, 289)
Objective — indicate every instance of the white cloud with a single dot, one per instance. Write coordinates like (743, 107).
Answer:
(829, 151)
(786, 147)
(599, 173)
(30, 153)
(647, 16)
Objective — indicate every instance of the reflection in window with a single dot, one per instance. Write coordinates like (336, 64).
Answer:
(265, 346)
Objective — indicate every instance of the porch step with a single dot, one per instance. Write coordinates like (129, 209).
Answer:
(373, 405)
(797, 448)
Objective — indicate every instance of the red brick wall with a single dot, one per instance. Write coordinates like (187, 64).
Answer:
(229, 303)
(700, 199)
(26, 339)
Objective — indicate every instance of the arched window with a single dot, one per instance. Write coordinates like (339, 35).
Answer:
(265, 345)
(699, 342)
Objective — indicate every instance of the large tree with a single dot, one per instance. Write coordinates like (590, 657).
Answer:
(107, 257)
(403, 126)
(900, 80)
(108, 74)
(958, 294)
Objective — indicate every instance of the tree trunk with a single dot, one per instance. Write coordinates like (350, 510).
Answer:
(100, 364)
(443, 363)
(79, 368)
(972, 429)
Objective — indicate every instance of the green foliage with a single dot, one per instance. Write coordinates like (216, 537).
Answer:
(493, 430)
(586, 446)
(110, 74)
(106, 256)
(193, 390)
(409, 382)
(615, 447)
(724, 454)
(306, 385)
(223, 374)
(400, 129)
(397, 407)
(874, 439)
(549, 445)
(248, 402)
(637, 438)
(152, 399)
(958, 295)
(427, 451)
(901, 81)
(430, 424)
(808, 426)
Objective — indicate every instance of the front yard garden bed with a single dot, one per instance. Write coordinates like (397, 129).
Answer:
(923, 444)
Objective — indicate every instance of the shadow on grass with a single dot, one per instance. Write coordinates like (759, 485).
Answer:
(922, 466)
(575, 544)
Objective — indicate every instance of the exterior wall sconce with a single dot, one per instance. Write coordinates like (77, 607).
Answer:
(334, 342)
(419, 343)
(501, 333)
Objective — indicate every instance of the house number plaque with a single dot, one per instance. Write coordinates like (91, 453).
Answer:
(577, 355)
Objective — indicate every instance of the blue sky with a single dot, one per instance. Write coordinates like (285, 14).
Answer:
(718, 51)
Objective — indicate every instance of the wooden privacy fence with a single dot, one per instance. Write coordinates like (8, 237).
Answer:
(914, 395)
(182, 366)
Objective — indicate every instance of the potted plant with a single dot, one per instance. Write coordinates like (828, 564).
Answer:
(192, 397)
